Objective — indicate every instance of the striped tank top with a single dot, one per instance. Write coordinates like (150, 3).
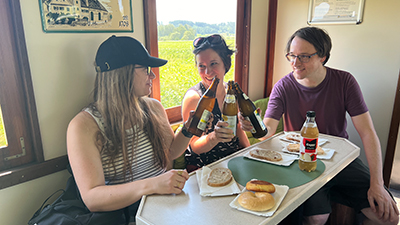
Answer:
(142, 156)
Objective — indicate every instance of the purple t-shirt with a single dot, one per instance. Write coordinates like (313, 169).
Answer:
(338, 93)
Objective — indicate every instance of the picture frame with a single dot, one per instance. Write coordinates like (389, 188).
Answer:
(86, 16)
(335, 11)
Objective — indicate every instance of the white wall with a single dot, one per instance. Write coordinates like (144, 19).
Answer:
(63, 74)
(370, 51)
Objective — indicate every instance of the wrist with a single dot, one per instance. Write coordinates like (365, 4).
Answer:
(185, 132)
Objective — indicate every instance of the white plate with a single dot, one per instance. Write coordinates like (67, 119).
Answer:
(208, 191)
(321, 141)
(287, 159)
(327, 155)
(279, 195)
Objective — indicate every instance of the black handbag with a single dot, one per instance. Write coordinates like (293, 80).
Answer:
(69, 209)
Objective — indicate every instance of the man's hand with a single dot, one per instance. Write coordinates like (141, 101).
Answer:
(246, 124)
(382, 203)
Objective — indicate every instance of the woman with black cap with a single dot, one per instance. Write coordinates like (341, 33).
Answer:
(119, 146)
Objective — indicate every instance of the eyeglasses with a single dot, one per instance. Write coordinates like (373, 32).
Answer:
(302, 58)
(213, 40)
(148, 69)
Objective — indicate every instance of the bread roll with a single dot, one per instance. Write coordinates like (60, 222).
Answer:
(219, 177)
(258, 201)
(260, 185)
(269, 155)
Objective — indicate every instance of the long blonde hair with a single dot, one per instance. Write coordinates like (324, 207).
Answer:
(115, 100)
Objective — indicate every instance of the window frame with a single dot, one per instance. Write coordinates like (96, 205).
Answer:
(18, 105)
(243, 20)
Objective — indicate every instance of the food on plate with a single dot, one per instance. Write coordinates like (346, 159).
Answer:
(269, 155)
(293, 137)
(293, 147)
(219, 177)
(258, 201)
(320, 151)
(260, 185)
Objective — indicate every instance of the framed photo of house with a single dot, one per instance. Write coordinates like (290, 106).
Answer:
(86, 15)
(335, 11)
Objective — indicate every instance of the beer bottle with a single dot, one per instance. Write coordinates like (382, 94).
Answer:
(309, 143)
(230, 108)
(203, 110)
(249, 111)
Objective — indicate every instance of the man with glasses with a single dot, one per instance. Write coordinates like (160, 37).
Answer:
(331, 93)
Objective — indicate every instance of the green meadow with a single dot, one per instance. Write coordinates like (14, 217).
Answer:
(180, 73)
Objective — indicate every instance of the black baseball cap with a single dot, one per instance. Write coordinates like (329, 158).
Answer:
(117, 52)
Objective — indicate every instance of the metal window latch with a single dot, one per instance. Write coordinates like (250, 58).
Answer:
(21, 139)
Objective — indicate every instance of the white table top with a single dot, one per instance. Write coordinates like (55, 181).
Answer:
(189, 206)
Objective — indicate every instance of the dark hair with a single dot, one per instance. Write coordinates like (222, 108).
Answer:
(221, 49)
(318, 37)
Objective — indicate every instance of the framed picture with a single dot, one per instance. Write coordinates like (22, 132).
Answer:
(335, 11)
(86, 15)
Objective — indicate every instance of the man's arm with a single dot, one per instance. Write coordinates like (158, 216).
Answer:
(377, 193)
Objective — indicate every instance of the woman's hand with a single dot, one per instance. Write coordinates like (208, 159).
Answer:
(220, 133)
(171, 182)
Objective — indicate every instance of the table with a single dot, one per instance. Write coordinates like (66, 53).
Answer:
(189, 206)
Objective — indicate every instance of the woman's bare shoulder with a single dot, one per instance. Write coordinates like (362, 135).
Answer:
(83, 122)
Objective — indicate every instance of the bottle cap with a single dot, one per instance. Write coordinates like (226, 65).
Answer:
(310, 114)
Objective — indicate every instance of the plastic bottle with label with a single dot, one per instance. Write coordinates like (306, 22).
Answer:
(309, 143)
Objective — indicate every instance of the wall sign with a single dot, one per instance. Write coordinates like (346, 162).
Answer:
(86, 15)
(335, 11)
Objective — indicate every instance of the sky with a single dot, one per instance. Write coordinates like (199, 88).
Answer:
(207, 11)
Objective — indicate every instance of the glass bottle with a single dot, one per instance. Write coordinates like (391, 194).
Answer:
(203, 110)
(249, 112)
(230, 108)
(309, 143)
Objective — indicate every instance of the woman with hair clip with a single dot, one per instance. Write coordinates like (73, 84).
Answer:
(120, 145)
(213, 59)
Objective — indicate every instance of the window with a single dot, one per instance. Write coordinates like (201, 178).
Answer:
(22, 157)
(177, 29)
(15, 114)
(242, 46)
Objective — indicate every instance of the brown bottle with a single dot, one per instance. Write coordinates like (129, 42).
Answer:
(309, 143)
(203, 110)
(230, 108)
(249, 111)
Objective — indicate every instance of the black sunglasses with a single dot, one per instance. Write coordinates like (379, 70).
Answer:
(213, 40)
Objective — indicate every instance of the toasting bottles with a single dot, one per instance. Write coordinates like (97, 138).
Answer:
(249, 111)
(203, 110)
(230, 108)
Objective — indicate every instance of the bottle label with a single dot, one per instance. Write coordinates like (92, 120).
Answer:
(259, 120)
(204, 120)
(253, 131)
(232, 121)
(230, 99)
(308, 149)
(245, 96)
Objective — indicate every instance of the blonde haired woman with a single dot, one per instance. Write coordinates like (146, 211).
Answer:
(120, 145)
